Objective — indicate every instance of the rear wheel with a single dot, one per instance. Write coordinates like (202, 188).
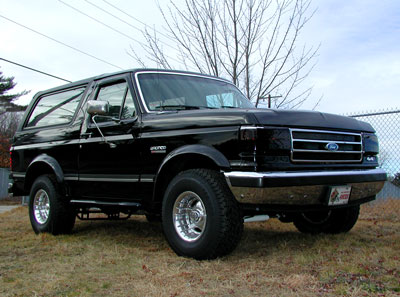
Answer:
(330, 221)
(200, 216)
(48, 211)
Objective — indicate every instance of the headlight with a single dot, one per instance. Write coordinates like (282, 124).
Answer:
(371, 145)
(266, 139)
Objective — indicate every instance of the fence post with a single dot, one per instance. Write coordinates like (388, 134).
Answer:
(4, 179)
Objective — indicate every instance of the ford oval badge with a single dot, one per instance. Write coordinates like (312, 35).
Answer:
(332, 147)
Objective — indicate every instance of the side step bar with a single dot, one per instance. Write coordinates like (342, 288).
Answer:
(112, 210)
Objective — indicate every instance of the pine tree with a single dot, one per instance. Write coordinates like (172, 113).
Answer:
(7, 100)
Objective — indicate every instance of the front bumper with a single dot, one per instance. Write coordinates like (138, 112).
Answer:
(302, 188)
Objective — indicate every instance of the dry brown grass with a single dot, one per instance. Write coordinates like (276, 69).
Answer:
(386, 210)
(131, 258)
(11, 201)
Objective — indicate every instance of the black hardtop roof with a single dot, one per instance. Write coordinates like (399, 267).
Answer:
(105, 75)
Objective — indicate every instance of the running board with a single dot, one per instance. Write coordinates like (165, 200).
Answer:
(104, 203)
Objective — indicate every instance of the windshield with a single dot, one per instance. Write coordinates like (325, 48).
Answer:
(163, 91)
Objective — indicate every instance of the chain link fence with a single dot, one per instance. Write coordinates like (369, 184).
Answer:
(387, 126)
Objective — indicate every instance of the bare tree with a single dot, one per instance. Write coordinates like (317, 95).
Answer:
(251, 42)
(9, 122)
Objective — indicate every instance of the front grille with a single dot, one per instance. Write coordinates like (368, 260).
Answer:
(317, 146)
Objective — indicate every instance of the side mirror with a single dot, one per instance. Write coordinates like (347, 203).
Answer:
(98, 107)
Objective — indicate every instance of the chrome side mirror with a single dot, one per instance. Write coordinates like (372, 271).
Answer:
(98, 107)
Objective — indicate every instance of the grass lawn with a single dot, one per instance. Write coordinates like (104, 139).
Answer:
(131, 258)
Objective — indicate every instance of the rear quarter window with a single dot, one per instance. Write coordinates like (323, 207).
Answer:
(55, 109)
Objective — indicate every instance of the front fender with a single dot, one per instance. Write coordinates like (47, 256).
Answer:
(206, 153)
(216, 156)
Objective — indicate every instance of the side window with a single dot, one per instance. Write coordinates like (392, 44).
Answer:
(120, 100)
(114, 94)
(129, 109)
(55, 109)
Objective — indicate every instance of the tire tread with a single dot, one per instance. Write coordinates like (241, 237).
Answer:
(230, 220)
(232, 229)
(62, 216)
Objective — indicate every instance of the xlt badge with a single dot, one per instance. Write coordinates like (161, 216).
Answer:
(159, 149)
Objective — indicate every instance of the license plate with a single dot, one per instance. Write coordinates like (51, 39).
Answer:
(339, 195)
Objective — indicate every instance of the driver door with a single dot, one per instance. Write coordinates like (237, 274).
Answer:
(109, 166)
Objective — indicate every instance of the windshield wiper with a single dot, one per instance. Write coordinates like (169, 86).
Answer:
(179, 106)
(188, 107)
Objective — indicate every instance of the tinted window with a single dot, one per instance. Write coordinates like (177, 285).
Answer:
(55, 109)
(226, 99)
(161, 90)
(129, 109)
(116, 95)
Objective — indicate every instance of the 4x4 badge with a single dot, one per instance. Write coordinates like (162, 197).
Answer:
(160, 149)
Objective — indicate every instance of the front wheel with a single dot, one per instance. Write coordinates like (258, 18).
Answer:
(330, 221)
(48, 212)
(200, 216)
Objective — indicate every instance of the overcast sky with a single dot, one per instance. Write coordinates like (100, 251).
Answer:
(358, 65)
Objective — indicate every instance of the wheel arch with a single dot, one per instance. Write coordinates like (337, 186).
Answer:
(43, 164)
(184, 158)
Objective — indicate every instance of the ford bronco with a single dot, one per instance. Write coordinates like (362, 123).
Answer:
(191, 151)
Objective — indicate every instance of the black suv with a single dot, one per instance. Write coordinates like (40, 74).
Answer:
(191, 151)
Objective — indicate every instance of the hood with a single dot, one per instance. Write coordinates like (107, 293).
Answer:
(269, 117)
(191, 119)
(310, 119)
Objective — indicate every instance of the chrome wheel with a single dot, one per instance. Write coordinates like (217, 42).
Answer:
(189, 216)
(41, 206)
(200, 217)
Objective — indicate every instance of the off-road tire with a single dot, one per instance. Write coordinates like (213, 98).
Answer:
(332, 221)
(224, 222)
(61, 216)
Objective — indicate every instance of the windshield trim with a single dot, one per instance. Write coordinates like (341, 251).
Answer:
(173, 73)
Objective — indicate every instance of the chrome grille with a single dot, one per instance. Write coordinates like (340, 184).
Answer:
(318, 146)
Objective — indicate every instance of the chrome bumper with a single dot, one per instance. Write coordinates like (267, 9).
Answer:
(302, 188)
